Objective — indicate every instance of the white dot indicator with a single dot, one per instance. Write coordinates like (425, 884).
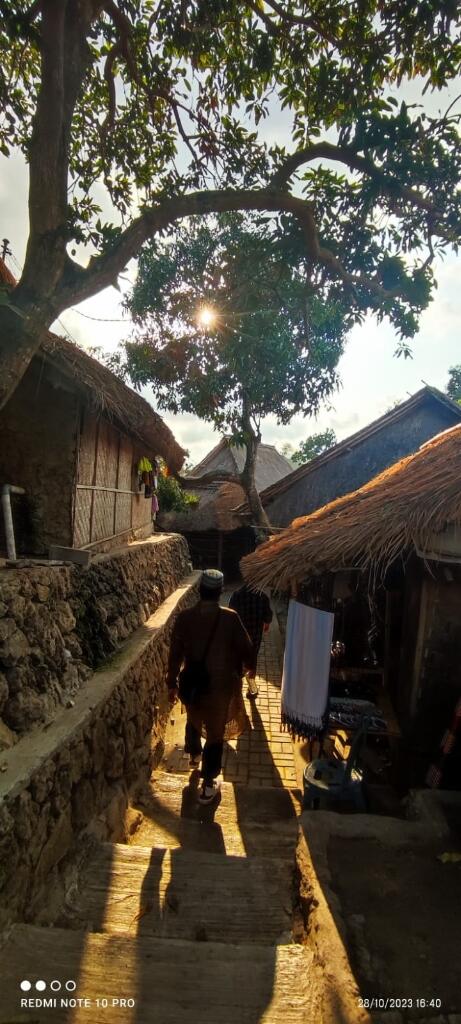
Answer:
(55, 985)
(25, 985)
(71, 986)
(40, 986)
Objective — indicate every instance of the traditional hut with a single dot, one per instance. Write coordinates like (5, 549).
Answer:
(359, 457)
(72, 436)
(396, 540)
(216, 535)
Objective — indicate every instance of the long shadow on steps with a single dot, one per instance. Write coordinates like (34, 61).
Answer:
(217, 972)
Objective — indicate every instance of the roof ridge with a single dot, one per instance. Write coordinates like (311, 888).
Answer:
(353, 439)
(206, 459)
(400, 509)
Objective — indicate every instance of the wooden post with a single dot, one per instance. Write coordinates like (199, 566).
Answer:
(117, 482)
(424, 608)
(79, 424)
(95, 475)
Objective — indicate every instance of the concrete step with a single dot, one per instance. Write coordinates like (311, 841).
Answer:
(171, 982)
(242, 822)
(185, 895)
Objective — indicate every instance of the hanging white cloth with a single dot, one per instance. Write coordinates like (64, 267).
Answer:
(306, 669)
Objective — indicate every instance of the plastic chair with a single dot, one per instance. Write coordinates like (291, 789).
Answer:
(328, 781)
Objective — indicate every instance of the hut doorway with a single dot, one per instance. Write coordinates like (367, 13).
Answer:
(221, 550)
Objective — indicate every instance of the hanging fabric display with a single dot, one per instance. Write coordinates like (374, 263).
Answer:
(306, 670)
(144, 469)
(146, 476)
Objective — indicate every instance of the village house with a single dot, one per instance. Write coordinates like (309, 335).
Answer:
(216, 535)
(73, 436)
(386, 559)
(358, 458)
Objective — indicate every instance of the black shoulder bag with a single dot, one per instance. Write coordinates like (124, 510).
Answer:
(194, 679)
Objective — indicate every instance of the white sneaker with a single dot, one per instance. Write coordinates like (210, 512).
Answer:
(253, 688)
(208, 793)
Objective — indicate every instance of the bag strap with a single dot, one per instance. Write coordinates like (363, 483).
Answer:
(211, 636)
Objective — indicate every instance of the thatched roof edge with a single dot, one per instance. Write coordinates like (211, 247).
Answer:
(394, 513)
(109, 395)
(106, 392)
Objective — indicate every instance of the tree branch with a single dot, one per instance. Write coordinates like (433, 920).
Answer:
(260, 13)
(109, 78)
(32, 12)
(125, 30)
(182, 130)
(208, 478)
(312, 23)
(118, 18)
(103, 270)
(348, 156)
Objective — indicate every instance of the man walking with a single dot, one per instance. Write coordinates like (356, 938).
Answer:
(254, 610)
(214, 638)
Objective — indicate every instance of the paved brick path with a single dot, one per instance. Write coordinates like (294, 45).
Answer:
(262, 757)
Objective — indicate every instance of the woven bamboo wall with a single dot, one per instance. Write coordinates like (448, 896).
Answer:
(106, 502)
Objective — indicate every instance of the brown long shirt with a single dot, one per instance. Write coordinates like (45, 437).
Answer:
(220, 712)
(230, 651)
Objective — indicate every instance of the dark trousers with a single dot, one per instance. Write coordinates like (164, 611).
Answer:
(212, 752)
(256, 641)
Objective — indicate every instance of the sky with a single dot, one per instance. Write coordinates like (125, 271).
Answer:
(372, 378)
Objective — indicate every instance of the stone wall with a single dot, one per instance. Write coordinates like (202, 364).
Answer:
(59, 622)
(58, 779)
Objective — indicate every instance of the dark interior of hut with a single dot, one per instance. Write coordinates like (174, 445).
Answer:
(373, 655)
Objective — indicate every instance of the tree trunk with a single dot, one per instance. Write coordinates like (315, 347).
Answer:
(247, 477)
(19, 341)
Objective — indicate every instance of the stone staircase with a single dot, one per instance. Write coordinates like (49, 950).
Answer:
(196, 918)
(193, 919)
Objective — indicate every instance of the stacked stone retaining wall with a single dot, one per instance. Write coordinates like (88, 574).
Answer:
(59, 622)
(77, 771)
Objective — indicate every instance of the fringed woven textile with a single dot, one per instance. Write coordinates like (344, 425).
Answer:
(306, 670)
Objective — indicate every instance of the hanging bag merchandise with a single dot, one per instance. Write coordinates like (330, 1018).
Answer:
(194, 679)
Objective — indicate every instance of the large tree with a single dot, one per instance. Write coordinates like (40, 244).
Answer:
(454, 384)
(159, 104)
(230, 328)
(313, 446)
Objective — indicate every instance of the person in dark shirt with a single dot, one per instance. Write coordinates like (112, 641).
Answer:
(206, 627)
(253, 607)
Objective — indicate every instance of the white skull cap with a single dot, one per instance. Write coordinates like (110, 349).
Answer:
(212, 579)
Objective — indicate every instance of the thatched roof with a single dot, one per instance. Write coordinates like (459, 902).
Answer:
(214, 511)
(270, 467)
(218, 500)
(106, 393)
(303, 476)
(395, 513)
(111, 397)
